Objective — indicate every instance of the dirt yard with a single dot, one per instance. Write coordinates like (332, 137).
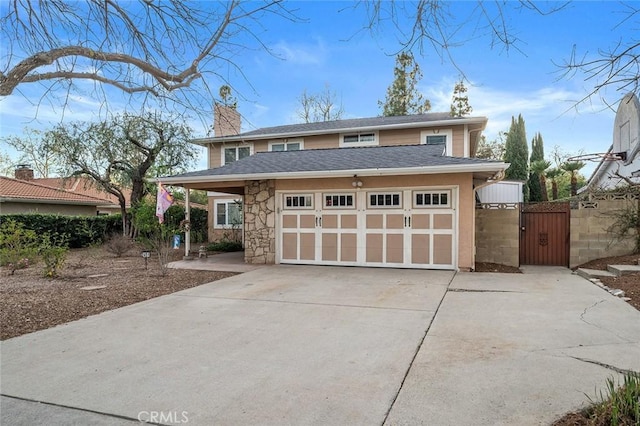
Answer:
(630, 284)
(29, 302)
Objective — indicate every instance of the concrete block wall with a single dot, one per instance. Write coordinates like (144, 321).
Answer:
(589, 237)
(498, 236)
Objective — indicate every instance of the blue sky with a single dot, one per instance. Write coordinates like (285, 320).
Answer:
(329, 49)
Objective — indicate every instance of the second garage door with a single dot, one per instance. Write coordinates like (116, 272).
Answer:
(411, 228)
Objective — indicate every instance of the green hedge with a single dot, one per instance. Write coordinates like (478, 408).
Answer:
(82, 231)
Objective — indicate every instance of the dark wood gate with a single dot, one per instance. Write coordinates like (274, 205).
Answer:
(544, 234)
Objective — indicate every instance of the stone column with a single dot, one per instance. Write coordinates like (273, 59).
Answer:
(260, 221)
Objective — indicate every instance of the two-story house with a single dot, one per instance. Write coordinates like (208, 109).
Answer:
(381, 191)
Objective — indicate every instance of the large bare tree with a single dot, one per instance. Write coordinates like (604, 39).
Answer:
(433, 25)
(323, 106)
(150, 49)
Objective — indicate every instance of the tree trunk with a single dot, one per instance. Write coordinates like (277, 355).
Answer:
(543, 187)
(574, 184)
(554, 189)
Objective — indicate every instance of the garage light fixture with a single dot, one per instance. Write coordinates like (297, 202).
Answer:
(357, 183)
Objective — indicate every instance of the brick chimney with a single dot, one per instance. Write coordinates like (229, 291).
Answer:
(226, 121)
(24, 172)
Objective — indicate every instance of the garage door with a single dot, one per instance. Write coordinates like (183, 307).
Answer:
(413, 228)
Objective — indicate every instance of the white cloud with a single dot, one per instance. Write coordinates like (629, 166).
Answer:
(301, 53)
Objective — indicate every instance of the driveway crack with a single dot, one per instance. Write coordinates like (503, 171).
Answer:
(584, 320)
(415, 354)
(602, 364)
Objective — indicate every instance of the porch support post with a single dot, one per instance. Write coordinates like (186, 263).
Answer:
(187, 217)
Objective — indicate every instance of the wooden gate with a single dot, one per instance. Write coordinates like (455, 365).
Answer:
(544, 234)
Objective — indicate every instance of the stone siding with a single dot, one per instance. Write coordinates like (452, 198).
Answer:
(498, 236)
(589, 237)
(260, 222)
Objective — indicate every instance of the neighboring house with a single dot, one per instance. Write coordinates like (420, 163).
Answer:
(381, 191)
(20, 196)
(612, 169)
(87, 186)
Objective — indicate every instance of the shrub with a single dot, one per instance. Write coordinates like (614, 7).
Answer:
(18, 246)
(118, 245)
(54, 254)
(225, 245)
(153, 235)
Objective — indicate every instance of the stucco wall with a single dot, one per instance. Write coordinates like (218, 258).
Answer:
(63, 209)
(589, 237)
(498, 236)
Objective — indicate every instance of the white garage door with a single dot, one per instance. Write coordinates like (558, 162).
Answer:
(410, 228)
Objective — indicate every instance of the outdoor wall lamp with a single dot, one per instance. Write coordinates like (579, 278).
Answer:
(357, 183)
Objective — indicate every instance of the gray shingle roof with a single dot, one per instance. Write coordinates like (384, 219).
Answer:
(361, 158)
(337, 125)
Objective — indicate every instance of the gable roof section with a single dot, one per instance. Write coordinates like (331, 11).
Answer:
(350, 125)
(25, 191)
(379, 160)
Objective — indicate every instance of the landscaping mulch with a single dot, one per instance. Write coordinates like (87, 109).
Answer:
(29, 302)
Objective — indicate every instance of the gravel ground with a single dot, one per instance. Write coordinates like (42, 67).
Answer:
(29, 302)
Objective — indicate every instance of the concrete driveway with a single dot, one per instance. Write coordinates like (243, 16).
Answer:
(324, 345)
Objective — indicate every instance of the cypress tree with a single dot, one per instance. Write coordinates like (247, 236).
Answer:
(537, 154)
(517, 153)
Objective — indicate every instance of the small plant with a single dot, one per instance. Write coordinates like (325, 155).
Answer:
(54, 254)
(119, 245)
(619, 405)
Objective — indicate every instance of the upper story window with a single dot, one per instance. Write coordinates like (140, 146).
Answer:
(358, 139)
(286, 145)
(439, 137)
(436, 140)
(235, 153)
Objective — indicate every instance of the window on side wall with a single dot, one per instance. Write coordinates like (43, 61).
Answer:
(286, 146)
(233, 154)
(228, 214)
(359, 139)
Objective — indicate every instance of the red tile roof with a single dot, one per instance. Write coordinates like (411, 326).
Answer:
(85, 186)
(27, 190)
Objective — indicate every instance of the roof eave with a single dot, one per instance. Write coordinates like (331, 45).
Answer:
(46, 201)
(459, 168)
(421, 124)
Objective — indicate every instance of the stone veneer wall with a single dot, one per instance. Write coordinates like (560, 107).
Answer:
(589, 237)
(498, 236)
(260, 221)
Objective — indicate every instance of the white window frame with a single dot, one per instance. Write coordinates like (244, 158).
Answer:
(225, 147)
(431, 192)
(369, 194)
(448, 150)
(284, 201)
(286, 142)
(227, 225)
(339, 194)
(374, 142)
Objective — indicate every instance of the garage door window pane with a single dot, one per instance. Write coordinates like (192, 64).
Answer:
(432, 199)
(338, 200)
(298, 201)
(385, 200)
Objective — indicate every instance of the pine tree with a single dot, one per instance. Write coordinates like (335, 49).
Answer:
(537, 154)
(460, 101)
(402, 96)
(517, 153)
